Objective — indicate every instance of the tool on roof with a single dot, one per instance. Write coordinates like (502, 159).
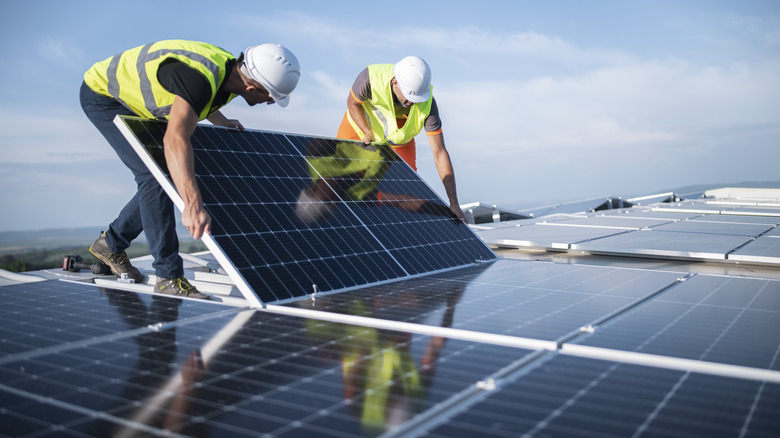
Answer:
(74, 263)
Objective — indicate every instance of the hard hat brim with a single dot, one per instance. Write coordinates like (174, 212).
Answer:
(281, 99)
(419, 99)
(282, 102)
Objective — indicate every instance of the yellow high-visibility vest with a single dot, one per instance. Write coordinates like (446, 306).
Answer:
(350, 158)
(380, 110)
(131, 76)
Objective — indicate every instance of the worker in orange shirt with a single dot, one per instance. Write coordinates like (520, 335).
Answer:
(391, 104)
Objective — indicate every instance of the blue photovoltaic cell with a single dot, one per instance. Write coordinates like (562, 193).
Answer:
(577, 397)
(291, 212)
(199, 369)
(545, 301)
(46, 314)
(712, 227)
(671, 244)
(116, 363)
(712, 318)
(547, 236)
(765, 249)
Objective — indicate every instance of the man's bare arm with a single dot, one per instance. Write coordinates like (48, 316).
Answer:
(444, 166)
(181, 165)
(355, 109)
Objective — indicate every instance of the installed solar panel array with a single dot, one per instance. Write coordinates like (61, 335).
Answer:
(501, 349)
(297, 214)
(507, 348)
(701, 229)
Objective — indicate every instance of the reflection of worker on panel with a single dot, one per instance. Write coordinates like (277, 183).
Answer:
(383, 384)
(350, 171)
(166, 384)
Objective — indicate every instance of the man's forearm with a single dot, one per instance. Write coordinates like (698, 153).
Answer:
(446, 173)
(355, 109)
(441, 158)
(181, 165)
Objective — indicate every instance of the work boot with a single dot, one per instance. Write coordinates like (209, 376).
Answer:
(179, 287)
(119, 263)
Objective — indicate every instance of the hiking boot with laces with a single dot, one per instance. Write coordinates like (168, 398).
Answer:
(118, 262)
(179, 287)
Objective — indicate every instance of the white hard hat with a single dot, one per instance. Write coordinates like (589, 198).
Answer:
(414, 78)
(275, 68)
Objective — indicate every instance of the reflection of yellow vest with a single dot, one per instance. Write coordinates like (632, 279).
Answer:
(381, 110)
(387, 370)
(131, 76)
(352, 158)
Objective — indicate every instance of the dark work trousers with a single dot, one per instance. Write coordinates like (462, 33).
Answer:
(150, 210)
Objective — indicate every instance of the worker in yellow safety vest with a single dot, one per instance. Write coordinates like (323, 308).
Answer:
(182, 82)
(391, 104)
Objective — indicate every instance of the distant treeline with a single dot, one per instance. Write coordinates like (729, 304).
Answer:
(36, 260)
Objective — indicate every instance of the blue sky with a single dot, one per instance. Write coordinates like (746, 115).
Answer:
(541, 101)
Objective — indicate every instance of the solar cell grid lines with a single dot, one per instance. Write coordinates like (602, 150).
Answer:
(257, 372)
(545, 301)
(118, 363)
(704, 318)
(569, 396)
(296, 214)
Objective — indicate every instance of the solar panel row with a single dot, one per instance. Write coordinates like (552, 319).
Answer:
(85, 361)
(691, 230)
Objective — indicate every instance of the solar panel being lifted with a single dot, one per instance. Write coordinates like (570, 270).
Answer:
(293, 214)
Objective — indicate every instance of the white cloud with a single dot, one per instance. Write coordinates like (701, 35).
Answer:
(64, 195)
(650, 125)
(461, 45)
(766, 28)
(488, 52)
(329, 87)
(53, 135)
(60, 52)
(653, 101)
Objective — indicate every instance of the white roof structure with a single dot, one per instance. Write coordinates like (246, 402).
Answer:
(729, 225)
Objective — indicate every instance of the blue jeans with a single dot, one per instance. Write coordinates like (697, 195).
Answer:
(150, 210)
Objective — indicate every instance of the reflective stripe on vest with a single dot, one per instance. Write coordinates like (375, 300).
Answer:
(380, 110)
(211, 63)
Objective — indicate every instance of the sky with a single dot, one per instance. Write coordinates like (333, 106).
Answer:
(541, 102)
